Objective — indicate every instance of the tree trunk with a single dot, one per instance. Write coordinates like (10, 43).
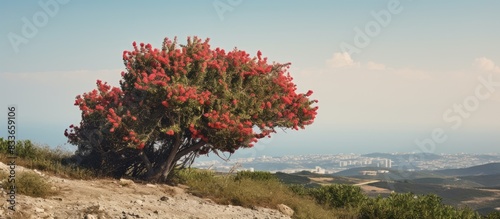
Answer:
(146, 161)
(190, 149)
(161, 172)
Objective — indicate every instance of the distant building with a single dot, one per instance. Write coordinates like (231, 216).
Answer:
(319, 170)
(387, 163)
(343, 163)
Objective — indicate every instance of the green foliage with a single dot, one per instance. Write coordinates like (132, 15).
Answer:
(299, 190)
(26, 149)
(30, 184)
(493, 215)
(332, 196)
(192, 175)
(257, 175)
(397, 205)
(338, 195)
(23, 149)
(4, 146)
(408, 205)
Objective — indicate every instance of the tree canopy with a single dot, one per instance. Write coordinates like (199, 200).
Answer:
(182, 101)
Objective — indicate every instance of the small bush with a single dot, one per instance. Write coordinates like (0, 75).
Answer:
(23, 149)
(493, 215)
(299, 190)
(408, 205)
(192, 175)
(338, 195)
(30, 184)
(257, 175)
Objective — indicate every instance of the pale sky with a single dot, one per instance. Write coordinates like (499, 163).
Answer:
(387, 74)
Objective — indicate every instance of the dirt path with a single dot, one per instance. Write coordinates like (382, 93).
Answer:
(124, 199)
(366, 183)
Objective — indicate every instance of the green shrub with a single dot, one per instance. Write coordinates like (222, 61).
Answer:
(26, 149)
(349, 198)
(493, 215)
(23, 149)
(338, 195)
(408, 205)
(4, 147)
(299, 190)
(257, 175)
(192, 175)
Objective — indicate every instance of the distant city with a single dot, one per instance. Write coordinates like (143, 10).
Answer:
(332, 163)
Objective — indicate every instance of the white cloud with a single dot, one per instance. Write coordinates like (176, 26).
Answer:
(375, 66)
(486, 64)
(343, 60)
(340, 60)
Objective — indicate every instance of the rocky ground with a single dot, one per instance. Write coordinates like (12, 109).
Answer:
(108, 198)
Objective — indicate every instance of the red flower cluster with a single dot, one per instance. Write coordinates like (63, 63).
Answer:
(113, 119)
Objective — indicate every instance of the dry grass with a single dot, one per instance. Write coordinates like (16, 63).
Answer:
(53, 167)
(30, 184)
(224, 189)
(49, 160)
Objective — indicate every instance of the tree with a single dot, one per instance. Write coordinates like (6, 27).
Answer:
(182, 101)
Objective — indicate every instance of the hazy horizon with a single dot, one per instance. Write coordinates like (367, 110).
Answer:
(390, 76)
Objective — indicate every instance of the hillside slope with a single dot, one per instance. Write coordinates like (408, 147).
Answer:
(109, 198)
(485, 169)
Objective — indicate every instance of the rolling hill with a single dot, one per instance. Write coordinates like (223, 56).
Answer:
(485, 169)
(446, 192)
(484, 180)
(392, 175)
